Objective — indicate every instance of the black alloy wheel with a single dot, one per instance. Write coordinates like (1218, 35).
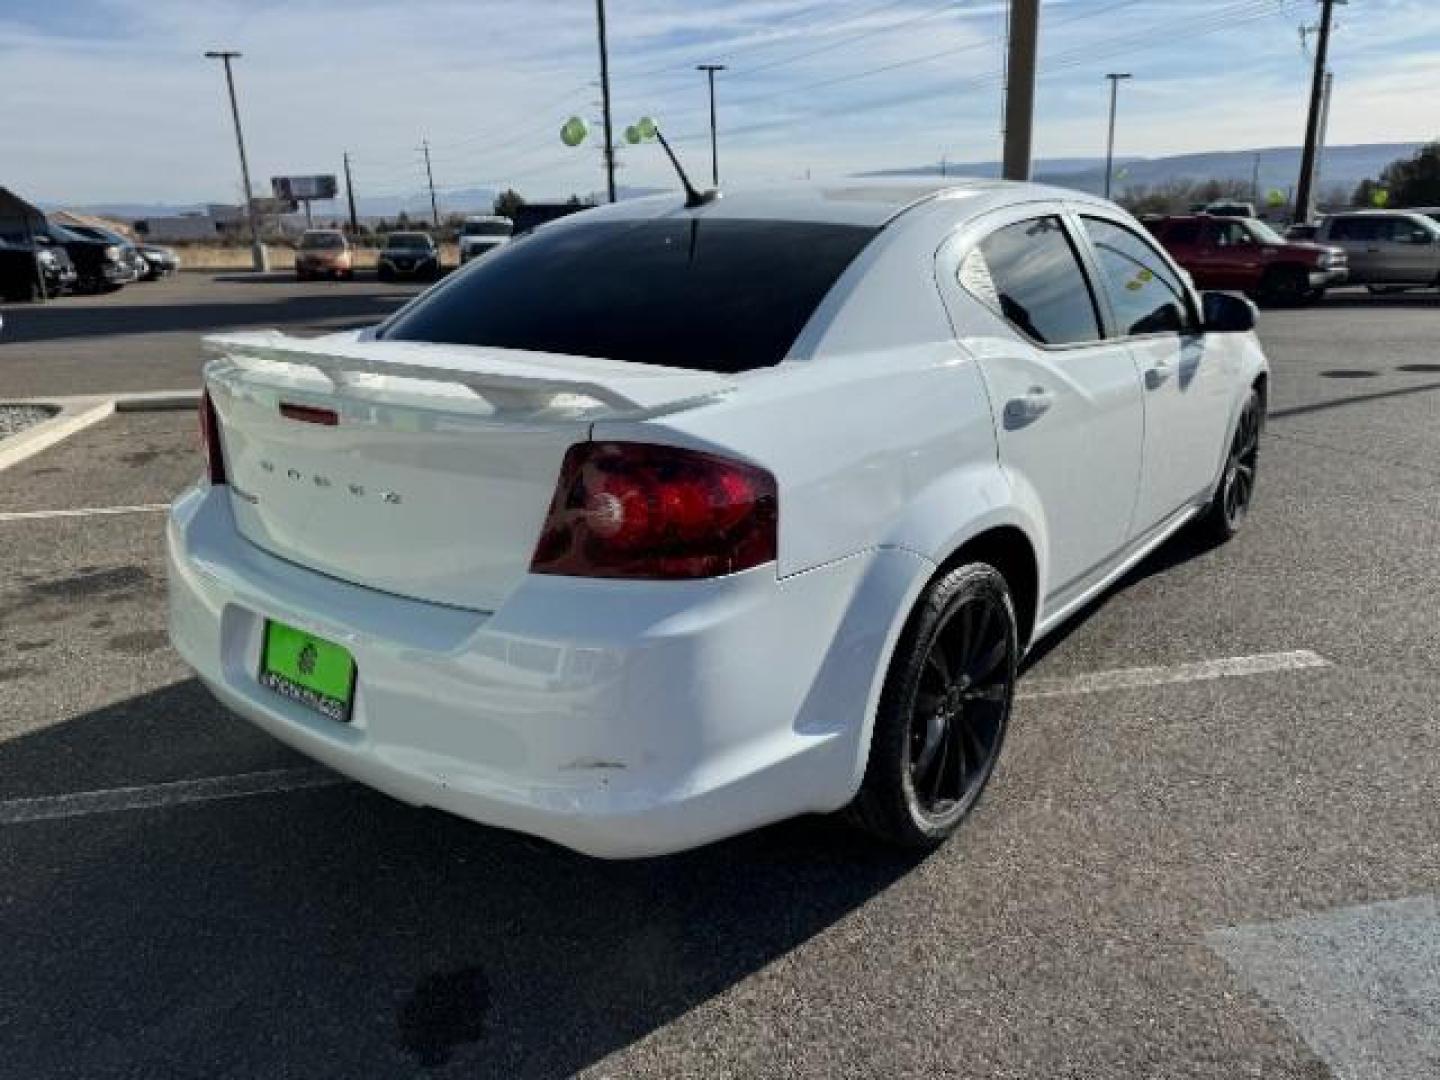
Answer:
(1236, 493)
(944, 711)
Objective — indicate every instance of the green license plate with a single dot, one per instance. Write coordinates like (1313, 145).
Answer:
(310, 670)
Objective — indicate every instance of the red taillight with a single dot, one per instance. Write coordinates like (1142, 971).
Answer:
(637, 510)
(210, 440)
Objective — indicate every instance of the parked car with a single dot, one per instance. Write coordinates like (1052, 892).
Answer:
(676, 522)
(129, 250)
(1389, 250)
(1246, 255)
(481, 235)
(409, 255)
(100, 266)
(24, 268)
(160, 262)
(324, 253)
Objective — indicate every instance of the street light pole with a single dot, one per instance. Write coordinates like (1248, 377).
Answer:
(257, 249)
(710, 70)
(605, 101)
(1115, 79)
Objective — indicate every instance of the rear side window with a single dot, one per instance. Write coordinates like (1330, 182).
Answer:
(1354, 229)
(1144, 292)
(1031, 273)
(1183, 232)
(718, 294)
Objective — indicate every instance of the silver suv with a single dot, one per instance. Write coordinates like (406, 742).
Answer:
(1389, 250)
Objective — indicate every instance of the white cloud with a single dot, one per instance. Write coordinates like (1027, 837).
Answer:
(111, 99)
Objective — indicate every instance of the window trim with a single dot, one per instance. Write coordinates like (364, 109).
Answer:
(1031, 212)
(1077, 212)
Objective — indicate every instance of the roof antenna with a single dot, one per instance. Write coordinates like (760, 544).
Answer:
(693, 198)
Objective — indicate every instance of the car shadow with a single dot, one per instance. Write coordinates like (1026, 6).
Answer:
(37, 323)
(1426, 298)
(335, 932)
(1189, 543)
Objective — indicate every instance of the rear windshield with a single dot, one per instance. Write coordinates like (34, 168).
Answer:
(407, 240)
(322, 240)
(487, 228)
(719, 295)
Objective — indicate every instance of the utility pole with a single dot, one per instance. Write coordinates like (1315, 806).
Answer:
(1304, 194)
(257, 249)
(605, 102)
(350, 197)
(1020, 87)
(710, 70)
(1255, 182)
(430, 176)
(1115, 79)
(1324, 134)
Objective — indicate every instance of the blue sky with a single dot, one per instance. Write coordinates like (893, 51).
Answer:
(110, 100)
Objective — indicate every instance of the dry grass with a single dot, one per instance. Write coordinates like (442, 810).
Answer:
(282, 257)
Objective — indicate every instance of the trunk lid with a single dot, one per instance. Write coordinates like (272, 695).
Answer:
(436, 474)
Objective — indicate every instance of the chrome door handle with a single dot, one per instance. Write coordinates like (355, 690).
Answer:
(1022, 411)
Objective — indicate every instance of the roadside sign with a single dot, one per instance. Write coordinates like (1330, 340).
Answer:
(303, 188)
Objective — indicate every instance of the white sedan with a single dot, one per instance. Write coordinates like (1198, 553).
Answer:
(660, 524)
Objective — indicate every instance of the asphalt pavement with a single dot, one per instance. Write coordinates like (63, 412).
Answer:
(1187, 872)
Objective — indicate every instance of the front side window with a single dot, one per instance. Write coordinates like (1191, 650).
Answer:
(1144, 292)
(1185, 233)
(1230, 234)
(1031, 274)
(717, 294)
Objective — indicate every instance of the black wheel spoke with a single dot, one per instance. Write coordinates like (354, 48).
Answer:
(985, 664)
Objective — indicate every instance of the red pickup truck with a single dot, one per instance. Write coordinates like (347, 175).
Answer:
(1246, 255)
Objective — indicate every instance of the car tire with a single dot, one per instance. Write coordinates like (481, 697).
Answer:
(943, 712)
(383, 274)
(1230, 506)
(1284, 286)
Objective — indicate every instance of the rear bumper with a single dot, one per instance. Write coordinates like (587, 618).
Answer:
(620, 719)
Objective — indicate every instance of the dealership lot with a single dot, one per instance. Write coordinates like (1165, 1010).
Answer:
(1221, 866)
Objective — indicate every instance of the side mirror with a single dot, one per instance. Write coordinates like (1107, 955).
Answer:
(1227, 314)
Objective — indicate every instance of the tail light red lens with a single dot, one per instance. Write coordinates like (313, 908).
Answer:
(210, 440)
(637, 510)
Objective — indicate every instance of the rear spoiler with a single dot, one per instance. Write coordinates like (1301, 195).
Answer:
(508, 379)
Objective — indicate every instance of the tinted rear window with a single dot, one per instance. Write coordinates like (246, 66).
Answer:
(720, 295)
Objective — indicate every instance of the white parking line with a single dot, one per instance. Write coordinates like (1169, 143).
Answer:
(209, 789)
(175, 793)
(86, 511)
(1131, 678)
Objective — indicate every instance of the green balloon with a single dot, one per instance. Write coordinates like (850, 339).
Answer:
(1380, 197)
(573, 131)
(646, 128)
(632, 134)
(1276, 197)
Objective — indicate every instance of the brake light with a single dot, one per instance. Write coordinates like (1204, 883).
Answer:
(637, 510)
(210, 440)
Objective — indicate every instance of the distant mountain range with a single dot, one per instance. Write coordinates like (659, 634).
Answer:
(1279, 166)
(1343, 166)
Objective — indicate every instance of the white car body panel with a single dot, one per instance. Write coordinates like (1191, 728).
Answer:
(624, 717)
